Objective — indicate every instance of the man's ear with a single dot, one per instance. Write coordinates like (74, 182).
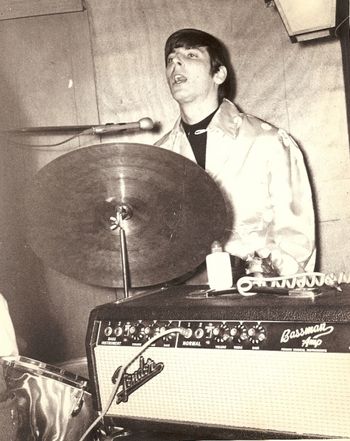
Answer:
(220, 75)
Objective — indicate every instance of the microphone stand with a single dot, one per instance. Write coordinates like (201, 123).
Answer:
(52, 129)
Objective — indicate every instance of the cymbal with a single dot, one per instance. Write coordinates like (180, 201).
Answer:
(170, 209)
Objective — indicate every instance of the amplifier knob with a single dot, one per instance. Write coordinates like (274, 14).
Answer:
(233, 332)
(188, 333)
(221, 333)
(216, 331)
(135, 332)
(118, 331)
(261, 336)
(252, 332)
(257, 334)
(199, 333)
(160, 327)
(243, 336)
(108, 331)
(132, 329)
(146, 330)
(242, 333)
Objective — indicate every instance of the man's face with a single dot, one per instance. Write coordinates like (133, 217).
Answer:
(189, 77)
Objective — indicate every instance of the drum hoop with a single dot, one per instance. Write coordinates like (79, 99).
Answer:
(38, 368)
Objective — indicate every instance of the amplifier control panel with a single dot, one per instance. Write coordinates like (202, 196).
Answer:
(228, 334)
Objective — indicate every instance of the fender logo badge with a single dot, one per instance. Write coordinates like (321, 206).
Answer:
(131, 382)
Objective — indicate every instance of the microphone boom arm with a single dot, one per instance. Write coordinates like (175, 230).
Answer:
(142, 124)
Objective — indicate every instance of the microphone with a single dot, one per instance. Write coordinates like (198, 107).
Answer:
(142, 124)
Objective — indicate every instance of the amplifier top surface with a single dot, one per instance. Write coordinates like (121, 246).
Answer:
(187, 301)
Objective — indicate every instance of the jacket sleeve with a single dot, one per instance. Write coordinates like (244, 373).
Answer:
(291, 234)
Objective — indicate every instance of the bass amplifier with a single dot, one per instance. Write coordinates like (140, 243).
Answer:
(265, 366)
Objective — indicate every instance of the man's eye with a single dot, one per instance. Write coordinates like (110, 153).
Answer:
(192, 55)
(170, 60)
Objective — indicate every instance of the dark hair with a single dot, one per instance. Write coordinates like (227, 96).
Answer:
(218, 54)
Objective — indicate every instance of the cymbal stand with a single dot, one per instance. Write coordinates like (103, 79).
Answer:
(123, 212)
(123, 254)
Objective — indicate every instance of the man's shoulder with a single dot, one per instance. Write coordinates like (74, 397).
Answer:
(233, 120)
(261, 125)
(267, 129)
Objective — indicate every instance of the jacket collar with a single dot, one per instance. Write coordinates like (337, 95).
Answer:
(226, 119)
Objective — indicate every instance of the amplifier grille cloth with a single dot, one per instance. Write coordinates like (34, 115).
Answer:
(305, 393)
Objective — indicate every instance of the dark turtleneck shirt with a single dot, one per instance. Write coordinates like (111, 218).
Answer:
(197, 137)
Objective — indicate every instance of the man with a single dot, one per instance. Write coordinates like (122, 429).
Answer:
(258, 167)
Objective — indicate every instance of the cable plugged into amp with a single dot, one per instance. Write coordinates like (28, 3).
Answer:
(303, 284)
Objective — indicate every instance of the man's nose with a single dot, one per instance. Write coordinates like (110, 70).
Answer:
(177, 59)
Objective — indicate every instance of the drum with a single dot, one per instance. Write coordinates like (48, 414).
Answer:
(78, 366)
(52, 403)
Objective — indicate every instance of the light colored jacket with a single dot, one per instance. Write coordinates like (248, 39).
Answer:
(262, 174)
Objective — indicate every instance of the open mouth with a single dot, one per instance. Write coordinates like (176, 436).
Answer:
(178, 79)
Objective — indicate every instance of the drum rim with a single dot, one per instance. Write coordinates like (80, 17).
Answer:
(36, 367)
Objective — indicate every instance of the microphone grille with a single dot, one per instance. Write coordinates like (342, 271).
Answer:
(146, 123)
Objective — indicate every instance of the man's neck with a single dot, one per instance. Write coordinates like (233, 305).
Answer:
(192, 114)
